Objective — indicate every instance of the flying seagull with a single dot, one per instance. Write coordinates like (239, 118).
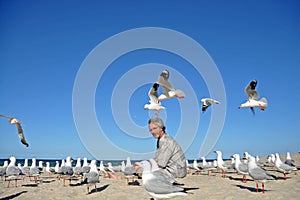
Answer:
(154, 102)
(13, 120)
(168, 89)
(253, 98)
(206, 102)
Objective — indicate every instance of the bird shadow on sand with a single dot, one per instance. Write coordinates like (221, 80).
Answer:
(135, 183)
(251, 189)
(30, 185)
(100, 189)
(238, 179)
(13, 195)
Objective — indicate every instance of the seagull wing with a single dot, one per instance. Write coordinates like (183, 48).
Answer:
(21, 134)
(250, 90)
(163, 81)
(153, 95)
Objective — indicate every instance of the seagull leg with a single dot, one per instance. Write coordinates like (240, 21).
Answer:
(8, 183)
(244, 179)
(263, 187)
(16, 182)
(284, 175)
(88, 189)
(157, 113)
(256, 187)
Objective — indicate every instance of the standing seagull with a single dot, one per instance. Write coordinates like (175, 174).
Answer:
(206, 102)
(289, 161)
(154, 102)
(168, 89)
(258, 174)
(13, 120)
(91, 178)
(253, 97)
(241, 168)
(282, 167)
(12, 171)
(221, 164)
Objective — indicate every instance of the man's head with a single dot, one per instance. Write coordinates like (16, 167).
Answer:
(156, 127)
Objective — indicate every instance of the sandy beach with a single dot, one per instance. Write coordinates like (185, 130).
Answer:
(209, 187)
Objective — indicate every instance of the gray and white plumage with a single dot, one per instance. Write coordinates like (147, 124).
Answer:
(155, 104)
(168, 89)
(12, 171)
(259, 162)
(34, 170)
(156, 186)
(289, 161)
(282, 167)
(221, 164)
(86, 166)
(253, 98)
(129, 170)
(207, 166)
(3, 168)
(258, 174)
(49, 169)
(206, 102)
(92, 177)
(161, 173)
(13, 120)
(241, 167)
(77, 170)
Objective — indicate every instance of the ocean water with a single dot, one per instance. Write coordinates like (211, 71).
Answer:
(53, 161)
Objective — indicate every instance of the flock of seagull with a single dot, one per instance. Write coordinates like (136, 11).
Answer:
(158, 183)
(249, 165)
(168, 91)
(155, 181)
(87, 173)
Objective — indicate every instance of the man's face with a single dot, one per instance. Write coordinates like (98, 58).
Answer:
(155, 130)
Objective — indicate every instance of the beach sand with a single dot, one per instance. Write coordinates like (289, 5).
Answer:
(209, 187)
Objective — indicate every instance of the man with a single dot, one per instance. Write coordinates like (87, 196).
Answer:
(169, 155)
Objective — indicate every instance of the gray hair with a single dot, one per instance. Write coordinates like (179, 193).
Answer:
(159, 122)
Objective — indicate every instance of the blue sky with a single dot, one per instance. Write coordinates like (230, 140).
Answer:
(44, 45)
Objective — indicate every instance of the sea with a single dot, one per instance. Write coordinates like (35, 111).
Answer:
(114, 162)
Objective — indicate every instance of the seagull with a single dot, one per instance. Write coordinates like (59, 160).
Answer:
(282, 167)
(206, 102)
(207, 166)
(155, 104)
(196, 167)
(3, 169)
(49, 169)
(91, 178)
(168, 89)
(253, 98)
(12, 171)
(85, 167)
(13, 120)
(34, 170)
(259, 162)
(258, 174)
(162, 173)
(102, 169)
(221, 164)
(78, 169)
(241, 168)
(289, 161)
(156, 186)
(129, 171)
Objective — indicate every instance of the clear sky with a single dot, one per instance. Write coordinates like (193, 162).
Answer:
(77, 73)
